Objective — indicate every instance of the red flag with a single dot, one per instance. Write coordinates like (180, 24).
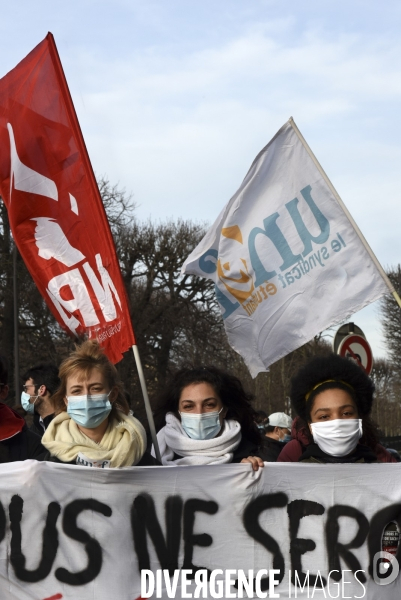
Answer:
(54, 205)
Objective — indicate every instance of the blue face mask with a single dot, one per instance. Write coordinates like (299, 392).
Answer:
(26, 403)
(201, 426)
(286, 438)
(89, 411)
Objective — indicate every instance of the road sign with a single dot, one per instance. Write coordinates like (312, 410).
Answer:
(342, 333)
(355, 346)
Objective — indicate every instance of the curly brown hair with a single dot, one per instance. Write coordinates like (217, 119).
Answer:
(228, 387)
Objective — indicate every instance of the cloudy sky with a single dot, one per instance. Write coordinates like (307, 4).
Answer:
(176, 97)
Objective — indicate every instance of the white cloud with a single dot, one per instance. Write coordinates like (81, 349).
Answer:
(178, 111)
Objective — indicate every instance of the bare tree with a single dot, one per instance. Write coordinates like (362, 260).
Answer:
(176, 318)
(391, 319)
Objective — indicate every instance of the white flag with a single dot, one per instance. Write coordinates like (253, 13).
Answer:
(285, 255)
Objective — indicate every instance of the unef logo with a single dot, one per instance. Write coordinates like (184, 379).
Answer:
(247, 281)
(242, 286)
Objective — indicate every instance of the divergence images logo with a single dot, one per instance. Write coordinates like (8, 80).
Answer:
(385, 568)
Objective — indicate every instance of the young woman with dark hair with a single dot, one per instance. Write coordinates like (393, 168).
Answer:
(205, 417)
(333, 398)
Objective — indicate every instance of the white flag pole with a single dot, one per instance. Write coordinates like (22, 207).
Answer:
(347, 213)
(147, 402)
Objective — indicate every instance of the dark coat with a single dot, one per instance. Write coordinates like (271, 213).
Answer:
(17, 442)
(245, 449)
(37, 427)
(270, 449)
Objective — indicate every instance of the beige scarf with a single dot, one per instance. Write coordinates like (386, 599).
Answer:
(123, 443)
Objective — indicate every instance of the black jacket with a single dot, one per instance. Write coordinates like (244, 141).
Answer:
(21, 446)
(37, 427)
(245, 449)
(270, 449)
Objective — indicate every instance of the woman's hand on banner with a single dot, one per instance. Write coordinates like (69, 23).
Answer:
(255, 461)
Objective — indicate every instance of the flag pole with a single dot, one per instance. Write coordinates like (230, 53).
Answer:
(147, 402)
(347, 213)
(16, 334)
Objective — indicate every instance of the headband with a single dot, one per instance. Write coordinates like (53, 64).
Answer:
(327, 381)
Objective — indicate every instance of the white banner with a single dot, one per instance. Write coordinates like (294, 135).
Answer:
(286, 261)
(75, 533)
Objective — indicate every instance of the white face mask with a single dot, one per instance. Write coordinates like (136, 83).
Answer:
(338, 437)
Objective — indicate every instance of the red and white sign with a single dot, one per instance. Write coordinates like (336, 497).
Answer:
(55, 210)
(357, 348)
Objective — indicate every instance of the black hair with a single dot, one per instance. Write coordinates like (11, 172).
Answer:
(260, 416)
(3, 370)
(229, 389)
(333, 372)
(43, 374)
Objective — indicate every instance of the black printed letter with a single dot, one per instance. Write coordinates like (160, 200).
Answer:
(190, 539)
(49, 545)
(335, 549)
(92, 546)
(297, 509)
(251, 524)
(143, 517)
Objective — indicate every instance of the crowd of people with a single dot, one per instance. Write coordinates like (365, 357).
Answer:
(80, 416)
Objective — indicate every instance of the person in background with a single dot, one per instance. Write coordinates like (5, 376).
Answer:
(17, 442)
(261, 421)
(92, 426)
(277, 433)
(40, 384)
(333, 398)
(206, 418)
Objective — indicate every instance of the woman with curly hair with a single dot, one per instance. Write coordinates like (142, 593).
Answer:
(333, 397)
(205, 418)
(92, 426)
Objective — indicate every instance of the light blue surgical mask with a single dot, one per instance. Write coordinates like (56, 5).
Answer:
(26, 403)
(201, 426)
(89, 411)
(286, 438)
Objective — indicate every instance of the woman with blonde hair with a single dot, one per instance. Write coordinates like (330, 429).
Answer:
(92, 426)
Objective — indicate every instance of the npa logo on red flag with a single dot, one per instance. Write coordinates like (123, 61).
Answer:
(54, 206)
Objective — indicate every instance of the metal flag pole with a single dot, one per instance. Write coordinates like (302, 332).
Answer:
(149, 413)
(16, 336)
(347, 213)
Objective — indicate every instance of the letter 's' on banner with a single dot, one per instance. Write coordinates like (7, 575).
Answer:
(287, 259)
(54, 206)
